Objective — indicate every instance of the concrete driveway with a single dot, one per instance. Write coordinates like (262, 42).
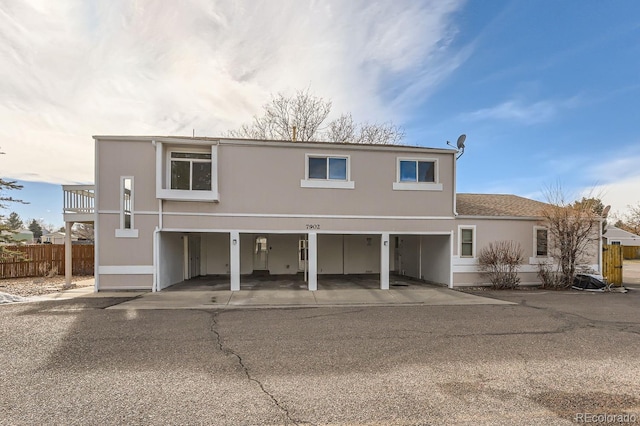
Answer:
(547, 358)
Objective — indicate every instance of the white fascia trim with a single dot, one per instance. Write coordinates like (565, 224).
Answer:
(529, 218)
(126, 233)
(411, 186)
(309, 216)
(538, 260)
(277, 215)
(187, 195)
(126, 270)
(332, 184)
(299, 231)
(459, 268)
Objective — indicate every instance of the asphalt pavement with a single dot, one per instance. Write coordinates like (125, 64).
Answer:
(546, 358)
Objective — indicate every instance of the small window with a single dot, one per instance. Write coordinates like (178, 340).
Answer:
(466, 242)
(327, 171)
(191, 171)
(327, 168)
(127, 201)
(417, 171)
(542, 242)
(417, 174)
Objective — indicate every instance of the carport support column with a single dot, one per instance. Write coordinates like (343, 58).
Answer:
(384, 262)
(68, 261)
(312, 253)
(234, 261)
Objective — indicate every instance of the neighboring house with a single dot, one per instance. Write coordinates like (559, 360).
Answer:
(55, 238)
(168, 209)
(630, 241)
(613, 235)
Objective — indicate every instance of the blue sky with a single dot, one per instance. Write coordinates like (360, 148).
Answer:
(546, 91)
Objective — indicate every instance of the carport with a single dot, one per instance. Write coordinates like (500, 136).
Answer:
(303, 260)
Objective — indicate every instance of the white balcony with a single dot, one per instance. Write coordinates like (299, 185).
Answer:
(79, 203)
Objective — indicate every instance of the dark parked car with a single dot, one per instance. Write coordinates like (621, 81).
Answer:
(589, 282)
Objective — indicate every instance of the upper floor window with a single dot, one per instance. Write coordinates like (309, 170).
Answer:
(417, 174)
(417, 171)
(191, 171)
(542, 242)
(327, 171)
(186, 171)
(333, 168)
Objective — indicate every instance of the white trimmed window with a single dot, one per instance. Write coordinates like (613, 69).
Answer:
(541, 241)
(126, 229)
(417, 174)
(187, 172)
(327, 171)
(190, 171)
(467, 241)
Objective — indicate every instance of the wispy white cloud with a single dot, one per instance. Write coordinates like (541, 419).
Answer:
(524, 113)
(72, 68)
(618, 177)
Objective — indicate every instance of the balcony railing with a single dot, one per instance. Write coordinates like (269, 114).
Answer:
(79, 200)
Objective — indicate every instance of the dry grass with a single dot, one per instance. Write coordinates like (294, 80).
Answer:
(36, 286)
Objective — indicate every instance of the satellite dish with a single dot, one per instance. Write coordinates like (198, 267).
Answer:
(460, 142)
(605, 212)
(459, 145)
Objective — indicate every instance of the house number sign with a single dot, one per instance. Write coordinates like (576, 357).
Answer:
(313, 226)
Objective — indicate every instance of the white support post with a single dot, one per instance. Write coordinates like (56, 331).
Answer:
(312, 253)
(68, 261)
(234, 261)
(384, 261)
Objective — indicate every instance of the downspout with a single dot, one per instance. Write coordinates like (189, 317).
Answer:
(156, 264)
(96, 225)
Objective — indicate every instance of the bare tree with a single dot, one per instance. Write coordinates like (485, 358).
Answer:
(302, 118)
(83, 231)
(303, 111)
(630, 221)
(573, 235)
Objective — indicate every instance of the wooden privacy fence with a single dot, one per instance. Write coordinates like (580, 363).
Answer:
(612, 263)
(39, 260)
(631, 252)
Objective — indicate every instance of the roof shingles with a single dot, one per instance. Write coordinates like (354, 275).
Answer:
(497, 205)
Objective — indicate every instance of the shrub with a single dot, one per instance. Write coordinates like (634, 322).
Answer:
(551, 277)
(500, 261)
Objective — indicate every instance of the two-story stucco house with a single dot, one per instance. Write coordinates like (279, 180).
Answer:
(168, 209)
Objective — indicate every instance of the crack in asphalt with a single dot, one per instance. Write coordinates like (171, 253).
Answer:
(575, 321)
(230, 351)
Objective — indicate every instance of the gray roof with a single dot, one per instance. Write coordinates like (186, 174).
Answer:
(497, 205)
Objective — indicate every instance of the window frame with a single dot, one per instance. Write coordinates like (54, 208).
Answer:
(163, 172)
(472, 228)
(400, 185)
(535, 242)
(308, 182)
(131, 231)
(180, 150)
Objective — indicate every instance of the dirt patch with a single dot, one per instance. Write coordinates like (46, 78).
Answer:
(37, 286)
(569, 405)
